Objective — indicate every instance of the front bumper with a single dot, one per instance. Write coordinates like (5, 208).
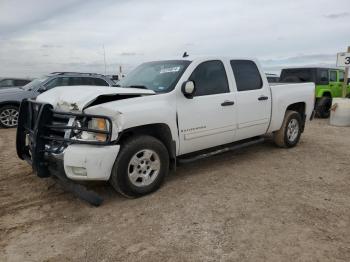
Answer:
(45, 141)
(88, 162)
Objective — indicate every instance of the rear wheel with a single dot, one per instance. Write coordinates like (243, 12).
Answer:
(290, 132)
(323, 107)
(9, 116)
(140, 167)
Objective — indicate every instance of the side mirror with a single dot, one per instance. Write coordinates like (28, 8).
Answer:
(188, 89)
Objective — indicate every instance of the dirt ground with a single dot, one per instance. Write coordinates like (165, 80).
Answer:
(258, 204)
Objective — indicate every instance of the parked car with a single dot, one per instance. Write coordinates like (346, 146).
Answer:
(10, 98)
(328, 82)
(272, 78)
(164, 112)
(13, 82)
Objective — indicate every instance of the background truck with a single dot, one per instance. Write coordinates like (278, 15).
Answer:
(164, 112)
(328, 83)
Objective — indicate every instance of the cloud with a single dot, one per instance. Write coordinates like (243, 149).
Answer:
(51, 46)
(321, 60)
(129, 54)
(338, 15)
(43, 36)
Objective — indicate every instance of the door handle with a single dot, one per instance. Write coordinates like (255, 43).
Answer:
(227, 103)
(263, 98)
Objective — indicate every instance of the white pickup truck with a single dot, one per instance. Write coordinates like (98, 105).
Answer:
(161, 113)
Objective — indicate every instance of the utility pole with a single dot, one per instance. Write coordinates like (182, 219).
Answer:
(104, 58)
(346, 76)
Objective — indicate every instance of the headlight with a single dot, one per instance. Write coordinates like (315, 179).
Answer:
(91, 129)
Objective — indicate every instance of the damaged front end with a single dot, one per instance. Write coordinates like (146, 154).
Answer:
(44, 133)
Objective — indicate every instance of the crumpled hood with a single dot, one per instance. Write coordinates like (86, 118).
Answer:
(76, 98)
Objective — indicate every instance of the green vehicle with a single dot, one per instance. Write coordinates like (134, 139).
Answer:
(328, 81)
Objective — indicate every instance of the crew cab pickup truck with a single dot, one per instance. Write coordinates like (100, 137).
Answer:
(162, 113)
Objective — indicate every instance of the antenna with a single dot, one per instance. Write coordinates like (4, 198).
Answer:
(185, 55)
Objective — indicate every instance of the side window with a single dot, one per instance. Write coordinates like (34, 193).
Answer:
(58, 81)
(323, 75)
(88, 81)
(75, 81)
(100, 82)
(21, 82)
(246, 74)
(333, 76)
(6, 82)
(341, 76)
(210, 78)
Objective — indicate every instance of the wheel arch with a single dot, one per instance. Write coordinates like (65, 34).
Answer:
(160, 131)
(299, 107)
(327, 94)
(10, 103)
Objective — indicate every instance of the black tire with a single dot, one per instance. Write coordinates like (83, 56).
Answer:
(323, 106)
(281, 137)
(12, 120)
(120, 179)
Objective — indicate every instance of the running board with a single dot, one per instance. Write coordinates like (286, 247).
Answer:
(186, 160)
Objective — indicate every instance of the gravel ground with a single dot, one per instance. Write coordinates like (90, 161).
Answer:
(258, 204)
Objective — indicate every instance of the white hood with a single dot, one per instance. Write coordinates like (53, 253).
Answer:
(76, 98)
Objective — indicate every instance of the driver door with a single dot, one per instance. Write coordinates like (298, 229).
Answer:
(209, 118)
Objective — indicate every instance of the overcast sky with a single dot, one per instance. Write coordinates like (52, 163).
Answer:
(41, 36)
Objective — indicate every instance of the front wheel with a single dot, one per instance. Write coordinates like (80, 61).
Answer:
(289, 134)
(140, 167)
(9, 116)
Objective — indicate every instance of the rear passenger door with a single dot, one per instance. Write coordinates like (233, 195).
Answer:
(253, 99)
(209, 119)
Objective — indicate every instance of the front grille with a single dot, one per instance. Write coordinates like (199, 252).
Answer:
(59, 120)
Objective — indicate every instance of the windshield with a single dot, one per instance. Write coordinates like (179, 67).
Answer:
(36, 82)
(160, 76)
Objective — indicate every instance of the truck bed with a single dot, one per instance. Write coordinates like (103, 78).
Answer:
(286, 94)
